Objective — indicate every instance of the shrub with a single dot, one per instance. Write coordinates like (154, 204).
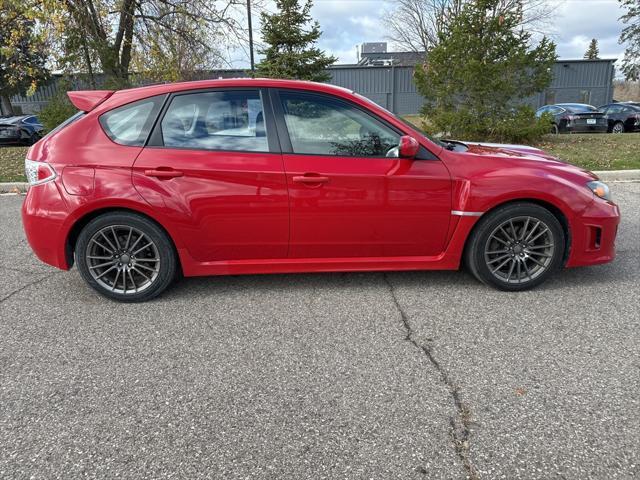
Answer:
(57, 110)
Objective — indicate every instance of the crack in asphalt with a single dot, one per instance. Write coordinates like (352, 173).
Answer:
(460, 424)
(27, 285)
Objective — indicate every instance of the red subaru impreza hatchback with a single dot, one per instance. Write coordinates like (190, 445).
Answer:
(271, 176)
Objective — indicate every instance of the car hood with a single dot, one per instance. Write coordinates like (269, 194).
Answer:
(516, 155)
(509, 150)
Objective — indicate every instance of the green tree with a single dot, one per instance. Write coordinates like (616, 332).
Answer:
(290, 35)
(117, 37)
(22, 51)
(475, 77)
(592, 52)
(631, 37)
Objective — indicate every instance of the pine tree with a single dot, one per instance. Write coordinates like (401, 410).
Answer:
(631, 37)
(291, 36)
(592, 52)
(476, 76)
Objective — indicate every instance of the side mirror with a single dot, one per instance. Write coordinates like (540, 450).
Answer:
(408, 147)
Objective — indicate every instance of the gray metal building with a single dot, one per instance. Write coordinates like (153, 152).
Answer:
(583, 81)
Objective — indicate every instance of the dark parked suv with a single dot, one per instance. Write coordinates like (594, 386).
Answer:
(622, 117)
(575, 117)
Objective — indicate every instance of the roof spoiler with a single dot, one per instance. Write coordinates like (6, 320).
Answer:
(87, 100)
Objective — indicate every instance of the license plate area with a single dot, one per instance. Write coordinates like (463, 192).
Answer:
(591, 121)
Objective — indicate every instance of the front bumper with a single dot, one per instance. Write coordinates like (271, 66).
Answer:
(593, 234)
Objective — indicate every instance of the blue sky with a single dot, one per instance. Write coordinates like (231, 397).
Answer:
(347, 23)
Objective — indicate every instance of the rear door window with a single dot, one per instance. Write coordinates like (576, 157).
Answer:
(131, 123)
(220, 120)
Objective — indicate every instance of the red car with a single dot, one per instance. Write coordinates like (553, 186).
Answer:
(272, 176)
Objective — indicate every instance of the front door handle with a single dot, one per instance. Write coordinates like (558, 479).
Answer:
(163, 173)
(310, 179)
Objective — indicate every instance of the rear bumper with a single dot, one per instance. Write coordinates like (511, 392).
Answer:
(587, 128)
(594, 235)
(43, 217)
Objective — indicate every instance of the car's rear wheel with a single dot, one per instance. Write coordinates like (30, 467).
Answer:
(125, 256)
(618, 127)
(516, 247)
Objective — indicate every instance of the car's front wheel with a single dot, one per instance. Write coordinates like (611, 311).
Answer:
(125, 256)
(516, 247)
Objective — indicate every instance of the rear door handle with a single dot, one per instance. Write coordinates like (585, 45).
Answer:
(163, 173)
(307, 178)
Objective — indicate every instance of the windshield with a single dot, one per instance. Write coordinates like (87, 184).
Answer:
(406, 122)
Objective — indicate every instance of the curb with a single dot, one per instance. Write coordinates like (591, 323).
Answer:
(604, 175)
(13, 187)
(619, 175)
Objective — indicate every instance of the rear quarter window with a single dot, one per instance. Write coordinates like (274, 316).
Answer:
(130, 124)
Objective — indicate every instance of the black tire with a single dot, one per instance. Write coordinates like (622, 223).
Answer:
(617, 128)
(554, 129)
(483, 240)
(164, 271)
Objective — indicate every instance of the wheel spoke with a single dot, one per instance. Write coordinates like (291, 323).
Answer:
(499, 239)
(135, 287)
(501, 265)
(538, 254)
(506, 234)
(113, 232)
(513, 229)
(136, 242)
(141, 273)
(142, 248)
(124, 281)
(126, 245)
(102, 246)
(524, 229)
(539, 247)
(94, 257)
(497, 259)
(108, 241)
(513, 264)
(535, 227)
(524, 264)
(539, 235)
(147, 259)
(488, 253)
(115, 280)
(519, 272)
(147, 268)
(101, 265)
(106, 271)
(537, 262)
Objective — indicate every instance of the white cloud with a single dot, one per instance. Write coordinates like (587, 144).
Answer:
(348, 23)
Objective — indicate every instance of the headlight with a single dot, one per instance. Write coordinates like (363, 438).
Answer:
(600, 189)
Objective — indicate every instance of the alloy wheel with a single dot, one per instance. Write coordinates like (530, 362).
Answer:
(519, 250)
(618, 128)
(122, 259)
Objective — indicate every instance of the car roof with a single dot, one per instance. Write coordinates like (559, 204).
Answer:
(574, 105)
(14, 118)
(132, 94)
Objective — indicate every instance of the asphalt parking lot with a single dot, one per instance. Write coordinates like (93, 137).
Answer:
(425, 375)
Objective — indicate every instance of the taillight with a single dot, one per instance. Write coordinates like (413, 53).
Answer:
(38, 172)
